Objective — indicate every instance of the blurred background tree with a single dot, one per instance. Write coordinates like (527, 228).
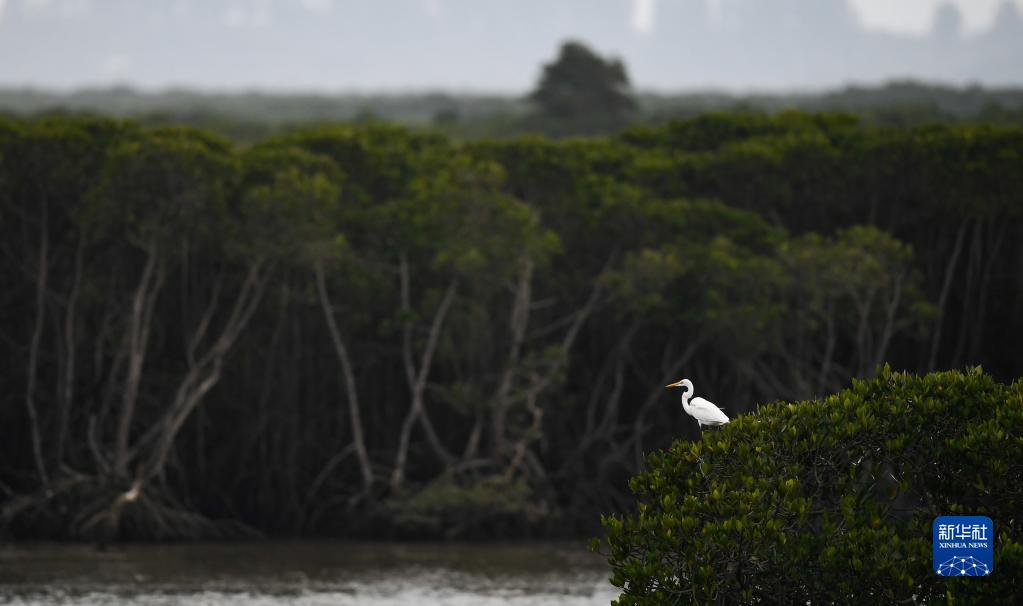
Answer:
(582, 93)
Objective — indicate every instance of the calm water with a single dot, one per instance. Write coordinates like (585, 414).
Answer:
(328, 573)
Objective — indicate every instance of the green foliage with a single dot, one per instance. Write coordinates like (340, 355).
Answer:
(248, 117)
(54, 162)
(293, 218)
(487, 505)
(711, 131)
(164, 186)
(693, 257)
(562, 282)
(582, 93)
(863, 271)
(378, 161)
(289, 208)
(830, 500)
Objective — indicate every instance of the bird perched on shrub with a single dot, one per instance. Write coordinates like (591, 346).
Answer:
(702, 410)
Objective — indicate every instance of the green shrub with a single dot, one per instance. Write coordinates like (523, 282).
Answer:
(831, 500)
(451, 508)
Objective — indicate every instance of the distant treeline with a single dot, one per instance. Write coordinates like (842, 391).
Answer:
(376, 331)
(254, 116)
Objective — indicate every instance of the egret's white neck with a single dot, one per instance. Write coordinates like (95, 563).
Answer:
(687, 392)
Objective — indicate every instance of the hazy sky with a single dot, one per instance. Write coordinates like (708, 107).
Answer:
(490, 45)
(914, 16)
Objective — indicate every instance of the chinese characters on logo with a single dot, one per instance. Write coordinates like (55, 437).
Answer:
(970, 532)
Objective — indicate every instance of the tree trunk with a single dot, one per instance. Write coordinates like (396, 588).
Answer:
(966, 321)
(995, 240)
(539, 383)
(946, 288)
(888, 330)
(206, 371)
(351, 389)
(137, 343)
(70, 343)
(33, 352)
(518, 322)
(829, 350)
(417, 377)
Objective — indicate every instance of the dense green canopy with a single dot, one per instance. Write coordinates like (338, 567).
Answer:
(373, 330)
(830, 501)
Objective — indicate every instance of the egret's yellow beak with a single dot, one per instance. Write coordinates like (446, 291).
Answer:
(675, 384)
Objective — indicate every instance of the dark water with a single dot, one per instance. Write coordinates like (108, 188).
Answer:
(334, 573)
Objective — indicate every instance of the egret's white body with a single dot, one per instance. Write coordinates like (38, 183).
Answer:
(703, 411)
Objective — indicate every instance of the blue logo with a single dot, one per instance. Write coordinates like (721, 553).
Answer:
(963, 546)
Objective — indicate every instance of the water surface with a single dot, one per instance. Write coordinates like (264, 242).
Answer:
(305, 573)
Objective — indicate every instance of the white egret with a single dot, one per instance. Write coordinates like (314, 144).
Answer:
(703, 411)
